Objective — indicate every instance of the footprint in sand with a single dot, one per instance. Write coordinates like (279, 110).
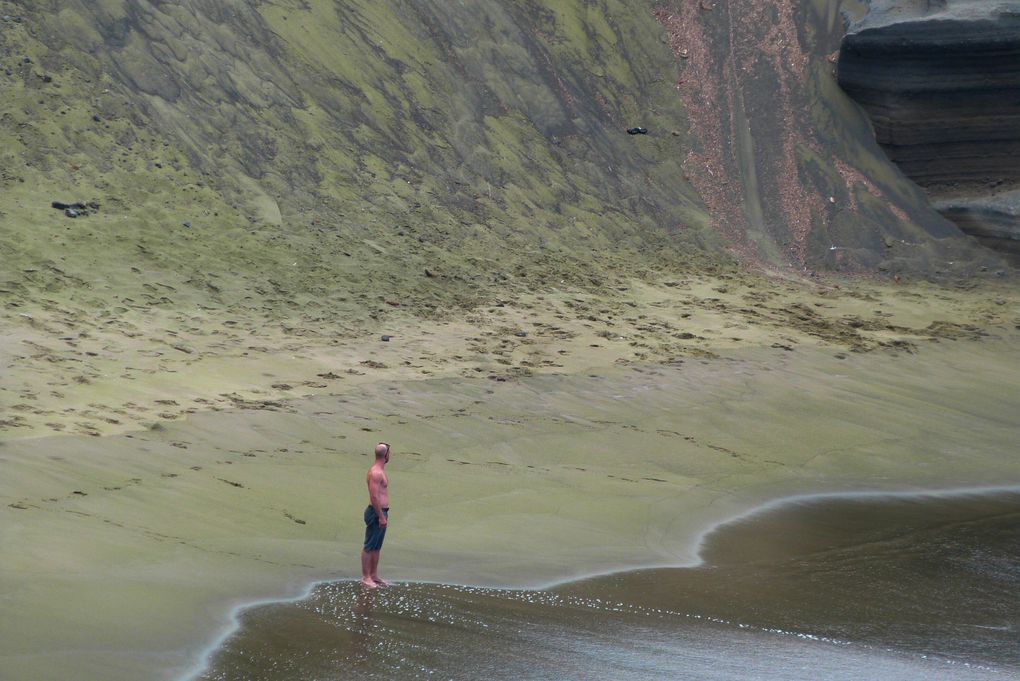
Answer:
(296, 520)
(725, 450)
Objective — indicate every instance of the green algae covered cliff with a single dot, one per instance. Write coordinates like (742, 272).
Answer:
(318, 154)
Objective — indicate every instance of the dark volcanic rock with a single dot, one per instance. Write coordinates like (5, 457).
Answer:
(944, 96)
(60, 205)
(993, 221)
(941, 83)
(787, 165)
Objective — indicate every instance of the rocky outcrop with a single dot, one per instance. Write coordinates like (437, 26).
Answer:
(941, 83)
(994, 221)
(786, 164)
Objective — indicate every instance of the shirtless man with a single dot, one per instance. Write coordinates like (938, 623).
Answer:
(376, 517)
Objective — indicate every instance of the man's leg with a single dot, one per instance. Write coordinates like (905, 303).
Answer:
(367, 568)
(374, 572)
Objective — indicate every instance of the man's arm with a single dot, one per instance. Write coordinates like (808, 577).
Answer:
(375, 481)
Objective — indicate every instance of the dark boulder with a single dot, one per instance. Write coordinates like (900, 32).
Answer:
(60, 205)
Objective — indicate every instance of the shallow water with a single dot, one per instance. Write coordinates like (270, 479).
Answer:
(856, 587)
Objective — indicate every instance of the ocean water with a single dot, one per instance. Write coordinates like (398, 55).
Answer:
(853, 587)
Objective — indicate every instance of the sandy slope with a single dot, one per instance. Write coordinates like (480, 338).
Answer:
(70, 368)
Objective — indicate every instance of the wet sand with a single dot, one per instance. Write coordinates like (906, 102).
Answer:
(518, 460)
(850, 586)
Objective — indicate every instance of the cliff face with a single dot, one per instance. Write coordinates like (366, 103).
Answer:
(786, 165)
(941, 83)
(485, 142)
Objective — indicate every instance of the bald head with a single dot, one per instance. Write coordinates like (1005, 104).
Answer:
(382, 450)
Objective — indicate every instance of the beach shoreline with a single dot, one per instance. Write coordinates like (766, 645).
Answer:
(973, 502)
(129, 548)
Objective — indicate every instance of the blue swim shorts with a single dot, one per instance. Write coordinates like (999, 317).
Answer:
(374, 534)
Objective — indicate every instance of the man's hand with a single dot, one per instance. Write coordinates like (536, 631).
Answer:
(382, 520)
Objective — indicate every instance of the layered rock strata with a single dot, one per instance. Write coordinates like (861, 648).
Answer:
(995, 220)
(786, 164)
(941, 83)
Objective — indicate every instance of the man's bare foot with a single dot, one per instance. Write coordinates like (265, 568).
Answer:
(368, 583)
(379, 581)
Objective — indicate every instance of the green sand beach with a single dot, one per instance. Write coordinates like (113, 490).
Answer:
(125, 552)
(241, 243)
